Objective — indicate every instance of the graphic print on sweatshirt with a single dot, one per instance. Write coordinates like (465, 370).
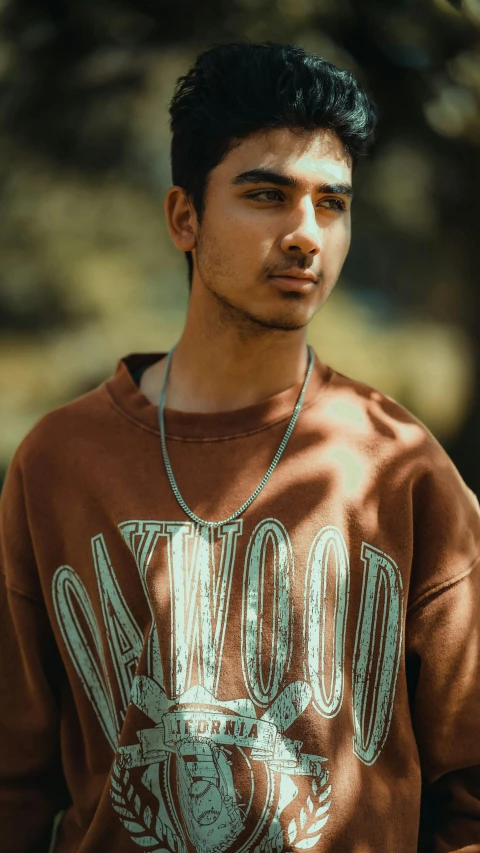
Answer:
(210, 775)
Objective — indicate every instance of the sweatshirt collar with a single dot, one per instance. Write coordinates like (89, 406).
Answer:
(196, 426)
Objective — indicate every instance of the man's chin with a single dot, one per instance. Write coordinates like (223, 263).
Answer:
(283, 324)
(294, 314)
(285, 321)
(289, 317)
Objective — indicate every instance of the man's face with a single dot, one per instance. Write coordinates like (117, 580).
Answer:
(256, 227)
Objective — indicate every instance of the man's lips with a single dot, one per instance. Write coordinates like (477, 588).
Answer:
(291, 282)
(305, 275)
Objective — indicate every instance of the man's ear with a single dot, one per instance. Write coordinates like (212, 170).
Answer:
(181, 219)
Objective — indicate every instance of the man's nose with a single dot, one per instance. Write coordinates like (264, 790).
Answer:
(306, 235)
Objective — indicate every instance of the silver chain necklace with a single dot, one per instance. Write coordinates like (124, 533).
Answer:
(274, 463)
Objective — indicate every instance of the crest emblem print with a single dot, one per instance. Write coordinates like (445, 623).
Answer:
(220, 777)
(209, 775)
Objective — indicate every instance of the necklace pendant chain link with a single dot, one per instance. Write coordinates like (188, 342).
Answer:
(273, 464)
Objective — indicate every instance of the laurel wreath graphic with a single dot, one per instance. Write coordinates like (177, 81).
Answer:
(146, 831)
(305, 830)
(150, 833)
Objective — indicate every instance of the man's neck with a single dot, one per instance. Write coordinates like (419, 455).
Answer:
(225, 371)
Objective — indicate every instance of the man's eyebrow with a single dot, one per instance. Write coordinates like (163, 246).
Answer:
(262, 176)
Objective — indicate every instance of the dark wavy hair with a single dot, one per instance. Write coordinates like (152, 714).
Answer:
(234, 90)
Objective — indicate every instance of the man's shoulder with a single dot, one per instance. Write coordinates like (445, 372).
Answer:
(377, 418)
(402, 449)
(59, 430)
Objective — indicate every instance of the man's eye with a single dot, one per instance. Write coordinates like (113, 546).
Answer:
(275, 193)
(335, 204)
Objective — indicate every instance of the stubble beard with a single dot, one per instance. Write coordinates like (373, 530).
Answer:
(241, 319)
(247, 322)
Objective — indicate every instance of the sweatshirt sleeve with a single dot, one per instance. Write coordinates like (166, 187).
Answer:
(32, 789)
(445, 639)
(443, 660)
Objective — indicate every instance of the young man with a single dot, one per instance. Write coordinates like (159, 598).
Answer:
(240, 590)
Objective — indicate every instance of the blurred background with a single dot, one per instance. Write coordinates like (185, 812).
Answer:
(87, 270)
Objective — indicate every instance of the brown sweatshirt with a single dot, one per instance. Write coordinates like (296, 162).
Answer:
(305, 677)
